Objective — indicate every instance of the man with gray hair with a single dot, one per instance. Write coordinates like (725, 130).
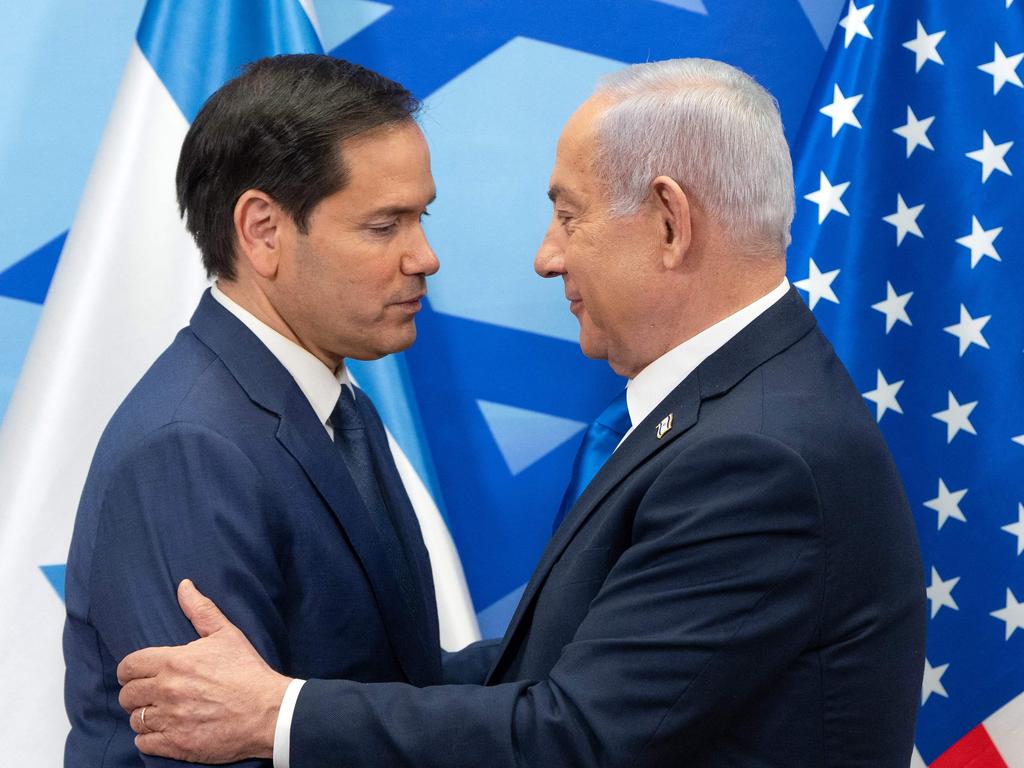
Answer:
(736, 580)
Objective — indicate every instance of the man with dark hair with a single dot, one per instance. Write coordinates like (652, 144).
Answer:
(245, 458)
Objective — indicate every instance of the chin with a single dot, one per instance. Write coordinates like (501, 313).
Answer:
(389, 343)
(593, 345)
(594, 351)
(405, 338)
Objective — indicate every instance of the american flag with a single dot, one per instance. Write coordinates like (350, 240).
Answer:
(909, 246)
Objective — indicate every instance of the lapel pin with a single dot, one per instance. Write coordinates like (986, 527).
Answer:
(664, 426)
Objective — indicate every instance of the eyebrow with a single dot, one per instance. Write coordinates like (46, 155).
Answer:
(397, 210)
(556, 193)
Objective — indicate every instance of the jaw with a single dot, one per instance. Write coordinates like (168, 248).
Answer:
(394, 339)
(593, 342)
(597, 344)
(624, 364)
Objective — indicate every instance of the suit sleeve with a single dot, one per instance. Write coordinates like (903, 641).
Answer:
(471, 664)
(720, 590)
(185, 502)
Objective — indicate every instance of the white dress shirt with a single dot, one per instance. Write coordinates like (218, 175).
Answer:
(322, 387)
(318, 383)
(643, 393)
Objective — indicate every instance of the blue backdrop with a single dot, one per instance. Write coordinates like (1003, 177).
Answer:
(501, 388)
(493, 398)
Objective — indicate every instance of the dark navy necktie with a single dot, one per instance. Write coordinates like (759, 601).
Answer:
(602, 436)
(350, 435)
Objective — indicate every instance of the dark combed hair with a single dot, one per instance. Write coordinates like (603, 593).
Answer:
(277, 128)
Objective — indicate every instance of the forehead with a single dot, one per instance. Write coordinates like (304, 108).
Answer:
(573, 178)
(387, 150)
(388, 165)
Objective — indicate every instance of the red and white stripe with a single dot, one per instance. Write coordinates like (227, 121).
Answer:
(997, 742)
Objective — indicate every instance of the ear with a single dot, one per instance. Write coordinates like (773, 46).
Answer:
(672, 207)
(259, 230)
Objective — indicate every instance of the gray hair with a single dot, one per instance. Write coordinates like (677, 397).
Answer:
(708, 126)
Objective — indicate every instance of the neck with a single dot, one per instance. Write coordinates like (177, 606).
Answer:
(710, 304)
(255, 301)
(710, 300)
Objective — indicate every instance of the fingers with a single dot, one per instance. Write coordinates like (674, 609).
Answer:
(200, 610)
(136, 720)
(141, 664)
(137, 693)
(148, 744)
(159, 744)
(145, 719)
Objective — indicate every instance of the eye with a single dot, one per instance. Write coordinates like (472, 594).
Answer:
(384, 229)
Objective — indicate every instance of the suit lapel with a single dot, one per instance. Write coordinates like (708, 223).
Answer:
(639, 446)
(775, 330)
(322, 463)
(300, 432)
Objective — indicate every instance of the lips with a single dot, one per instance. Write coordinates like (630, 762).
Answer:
(411, 304)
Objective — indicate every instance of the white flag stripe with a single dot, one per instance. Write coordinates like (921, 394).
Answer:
(454, 606)
(128, 279)
(97, 336)
(1006, 730)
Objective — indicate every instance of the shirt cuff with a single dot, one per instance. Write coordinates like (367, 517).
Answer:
(283, 729)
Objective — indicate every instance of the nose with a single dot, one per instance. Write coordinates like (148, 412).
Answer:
(420, 258)
(549, 261)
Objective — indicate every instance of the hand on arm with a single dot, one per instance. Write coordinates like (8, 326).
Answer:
(720, 591)
(214, 700)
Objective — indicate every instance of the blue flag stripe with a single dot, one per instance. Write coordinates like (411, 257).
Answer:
(196, 46)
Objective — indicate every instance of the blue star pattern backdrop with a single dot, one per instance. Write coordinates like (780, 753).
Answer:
(909, 246)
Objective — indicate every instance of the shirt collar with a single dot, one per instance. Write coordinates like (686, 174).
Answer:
(654, 383)
(317, 382)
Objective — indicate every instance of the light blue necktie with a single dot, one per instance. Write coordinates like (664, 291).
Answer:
(602, 436)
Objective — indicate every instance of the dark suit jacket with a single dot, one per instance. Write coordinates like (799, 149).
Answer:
(216, 468)
(746, 590)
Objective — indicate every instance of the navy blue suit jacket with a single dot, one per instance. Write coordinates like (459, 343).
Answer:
(216, 468)
(745, 590)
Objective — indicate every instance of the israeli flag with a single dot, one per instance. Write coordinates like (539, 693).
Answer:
(129, 277)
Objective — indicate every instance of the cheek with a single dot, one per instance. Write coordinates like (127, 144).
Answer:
(362, 288)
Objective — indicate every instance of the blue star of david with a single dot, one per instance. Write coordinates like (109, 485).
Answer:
(426, 45)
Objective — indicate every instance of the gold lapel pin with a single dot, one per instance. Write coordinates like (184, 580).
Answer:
(664, 426)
